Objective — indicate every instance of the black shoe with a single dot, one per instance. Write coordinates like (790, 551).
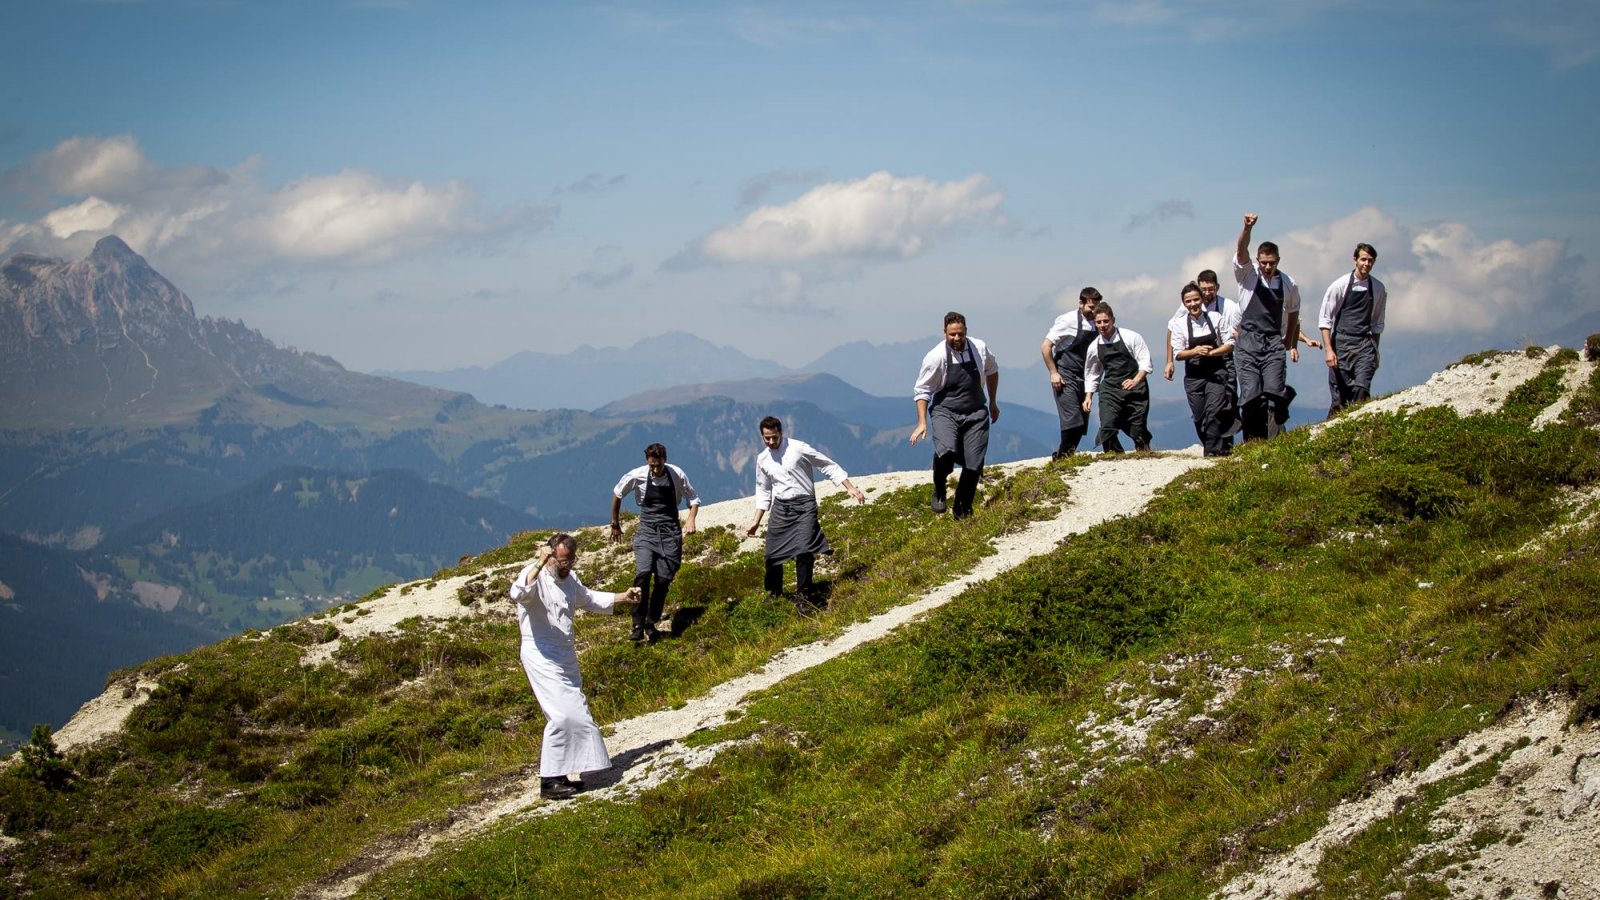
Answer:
(558, 788)
(653, 634)
(637, 634)
(805, 608)
(938, 504)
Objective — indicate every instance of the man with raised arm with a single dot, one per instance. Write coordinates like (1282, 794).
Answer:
(950, 391)
(1269, 327)
(547, 594)
(1351, 321)
(785, 483)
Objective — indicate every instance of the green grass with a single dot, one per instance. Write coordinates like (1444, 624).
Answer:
(948, 761)
(251, 774)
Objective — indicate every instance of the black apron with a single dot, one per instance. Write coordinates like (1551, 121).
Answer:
(1259, 347)
(658, 541)
(1351, 379)
(1121, 409)
(1206, 386)
(959, 418)
(1068, 357)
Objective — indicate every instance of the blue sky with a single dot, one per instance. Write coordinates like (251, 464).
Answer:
(423, 185)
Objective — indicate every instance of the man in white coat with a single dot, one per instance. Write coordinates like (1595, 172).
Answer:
(547, 595)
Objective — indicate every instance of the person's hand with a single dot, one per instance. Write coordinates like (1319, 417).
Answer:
(633, 594)
(616, 533)
(856, 493)
(1130, 383)
(751, 531)
(688, 527)
(1250, 220)
(1056, 381)
(919, 432)
(994, 412)
(1086, 403)
(1332, 358)
(1167, 372)
(1294, 353)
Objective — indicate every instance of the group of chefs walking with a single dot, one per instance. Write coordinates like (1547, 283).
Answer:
(1233, 354)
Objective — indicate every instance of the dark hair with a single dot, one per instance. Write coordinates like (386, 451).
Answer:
(655, 451)
(562, 539)
(1268, 248)
(1367, 247)
(1191, 286)
(954, 318)
(772, 423)
(1089, 293)
(1207, 275)
(1104, 307)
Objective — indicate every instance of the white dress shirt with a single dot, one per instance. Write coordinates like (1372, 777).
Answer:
(788, 472)
(935, 364)
(1334, 299)
(637, 480)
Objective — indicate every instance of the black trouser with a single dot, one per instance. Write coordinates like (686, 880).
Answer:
(966, 484)
(804, 565)
(1071, 437)
(652, 599)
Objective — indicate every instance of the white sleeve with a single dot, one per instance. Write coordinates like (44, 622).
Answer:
(1291, 298)
(1092, 368)
(991, 366)
(627, 483)
(1331, 301)
(763, 484)
(525, 583)
(688, 492)
(1179, 336)
(593, 601)
(830, 469)
(1380, 304)
(1141, 350)
(1063, 326)
(1242, 272)
(928, 377)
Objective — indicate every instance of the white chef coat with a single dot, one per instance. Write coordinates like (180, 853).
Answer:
(1093, 368)
(545, 605)
(788, 471)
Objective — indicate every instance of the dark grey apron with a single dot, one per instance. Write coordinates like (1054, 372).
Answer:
(1351, 380)
(658, 541)
(793, 529)
(1121, 409)
(959, 418)
(1068, 356)
(1259, 347)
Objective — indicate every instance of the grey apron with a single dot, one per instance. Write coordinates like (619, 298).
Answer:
(658, 540)
(1121, 409)
(793, 530)
(1068, 356)
(1351, 380)
(1259, 347)
(959, 418)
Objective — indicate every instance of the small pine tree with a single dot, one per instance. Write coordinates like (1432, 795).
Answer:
(42, 762)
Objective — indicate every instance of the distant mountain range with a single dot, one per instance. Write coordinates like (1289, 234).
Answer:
(192, 479)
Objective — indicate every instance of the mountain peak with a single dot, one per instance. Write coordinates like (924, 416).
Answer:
(114, 249)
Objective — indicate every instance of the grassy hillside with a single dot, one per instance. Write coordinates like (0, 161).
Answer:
(1289, 629)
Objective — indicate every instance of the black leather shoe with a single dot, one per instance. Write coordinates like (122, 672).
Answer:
(654, 634)
(938, 504)
(804, 607)
(557, 789)
(637, 634)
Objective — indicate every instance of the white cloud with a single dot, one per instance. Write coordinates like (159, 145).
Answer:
(92, 214)
(92, 165)
(877, 217)
(217, 225)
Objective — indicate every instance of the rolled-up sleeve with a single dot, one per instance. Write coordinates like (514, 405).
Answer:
(930, 377)
(763, 487)
(687, 491)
